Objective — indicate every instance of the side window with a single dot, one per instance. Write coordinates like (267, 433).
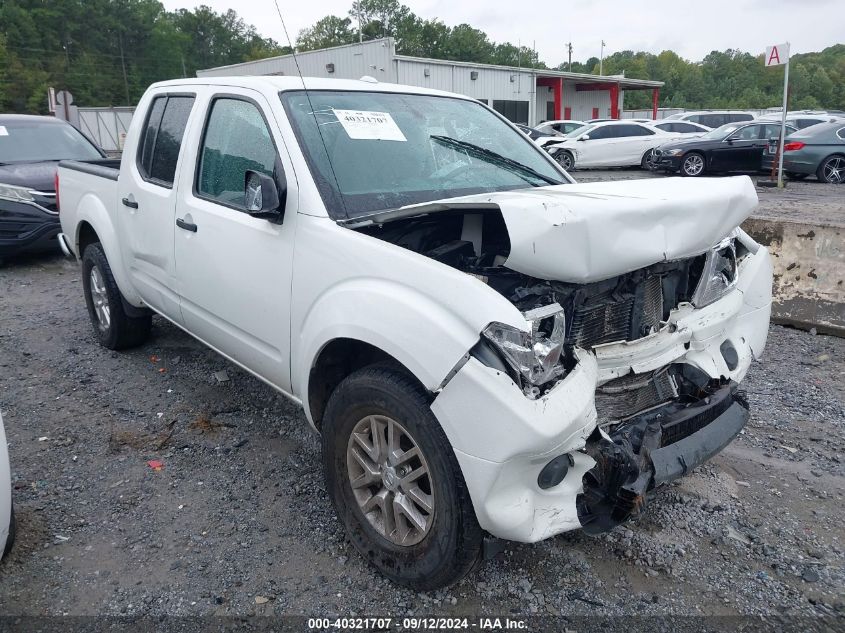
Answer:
(603, 131)
(696, 118)
(684, 128)
(159, 148)
(712, 120)
(748, 133)
(638, 130)
(773, 131)
(236, 140)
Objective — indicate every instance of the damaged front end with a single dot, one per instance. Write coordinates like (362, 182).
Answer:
(657, 446)
(628, 379)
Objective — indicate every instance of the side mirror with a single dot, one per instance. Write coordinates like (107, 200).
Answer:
(730, 140)
(586, 137)
(262, 198)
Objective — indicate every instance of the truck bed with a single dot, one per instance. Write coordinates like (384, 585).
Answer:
(104, 167)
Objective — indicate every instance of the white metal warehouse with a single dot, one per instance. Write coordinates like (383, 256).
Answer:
(523, 95)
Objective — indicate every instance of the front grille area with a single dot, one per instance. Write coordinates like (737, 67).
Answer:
(609, 318)
(630, 394)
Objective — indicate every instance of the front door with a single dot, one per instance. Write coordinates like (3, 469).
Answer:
(737, 152)
(147, 202)
(234, 269)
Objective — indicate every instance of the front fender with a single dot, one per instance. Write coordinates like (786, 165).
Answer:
(426, 336)
(91, 209)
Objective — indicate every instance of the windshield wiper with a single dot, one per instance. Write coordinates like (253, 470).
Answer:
(493, 157)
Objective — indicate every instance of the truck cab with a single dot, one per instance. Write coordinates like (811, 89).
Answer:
(485, 347)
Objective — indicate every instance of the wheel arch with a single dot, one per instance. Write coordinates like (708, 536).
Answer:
(95, 224)
(338, 359)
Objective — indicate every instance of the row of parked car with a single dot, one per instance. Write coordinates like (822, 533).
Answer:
(684, 143)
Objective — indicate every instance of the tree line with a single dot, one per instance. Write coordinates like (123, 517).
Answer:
(106, 52)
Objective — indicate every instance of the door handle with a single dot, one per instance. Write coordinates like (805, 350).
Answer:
(129, 203)
(188, 226)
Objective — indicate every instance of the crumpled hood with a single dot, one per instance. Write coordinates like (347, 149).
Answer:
(588, 232)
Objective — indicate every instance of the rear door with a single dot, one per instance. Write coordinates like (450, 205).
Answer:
(234, 270)
(147, 200)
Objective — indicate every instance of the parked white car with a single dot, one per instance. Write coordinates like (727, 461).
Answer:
(713, 118)
(688, 128)
(801, 120)
(7, 514)
(484, 346)
(610, 144)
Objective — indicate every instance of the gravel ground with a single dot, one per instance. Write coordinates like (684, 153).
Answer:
(237, 520)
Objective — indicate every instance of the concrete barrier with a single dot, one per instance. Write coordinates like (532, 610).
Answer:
(809, 272)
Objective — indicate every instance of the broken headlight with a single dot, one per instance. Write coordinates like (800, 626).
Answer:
(719, 275)
(534, 355)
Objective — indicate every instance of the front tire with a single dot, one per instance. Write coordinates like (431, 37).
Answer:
(692, 165)
(832, 170)
(647, 161)
(565, 160)
(395, 483)
(114, 328)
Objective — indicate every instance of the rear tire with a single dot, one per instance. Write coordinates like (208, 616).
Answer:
(386, 402)
(692, 165)
(832, 170)
(114, 328)
(647, 161)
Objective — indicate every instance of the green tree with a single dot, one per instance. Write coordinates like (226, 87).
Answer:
(328, 31)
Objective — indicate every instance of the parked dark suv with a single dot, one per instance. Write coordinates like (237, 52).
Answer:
(30, 149)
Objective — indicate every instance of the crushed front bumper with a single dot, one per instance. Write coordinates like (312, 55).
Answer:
(503, 440)
(655, 448)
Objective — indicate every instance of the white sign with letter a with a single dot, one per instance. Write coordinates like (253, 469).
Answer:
(777, 55)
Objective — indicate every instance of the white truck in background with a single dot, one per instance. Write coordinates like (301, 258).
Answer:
(484, 346)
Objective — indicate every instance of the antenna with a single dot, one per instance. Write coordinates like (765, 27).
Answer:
(310, 104)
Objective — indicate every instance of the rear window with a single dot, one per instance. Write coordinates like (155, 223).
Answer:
(162, 138)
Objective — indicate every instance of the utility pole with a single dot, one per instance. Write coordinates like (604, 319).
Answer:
(569, 48)
(123, 66)
(601, 59)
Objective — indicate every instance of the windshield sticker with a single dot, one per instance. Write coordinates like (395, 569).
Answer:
(3, 131)
(366, 125)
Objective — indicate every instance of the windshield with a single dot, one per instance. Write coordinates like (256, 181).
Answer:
(578, 131)
(721, 133)
(373, 151)
(35, 141)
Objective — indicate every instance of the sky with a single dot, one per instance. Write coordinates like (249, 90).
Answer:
(691, 30)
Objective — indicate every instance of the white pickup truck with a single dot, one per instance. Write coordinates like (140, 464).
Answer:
(487, 348)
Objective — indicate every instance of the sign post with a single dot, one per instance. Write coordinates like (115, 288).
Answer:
(778, 55)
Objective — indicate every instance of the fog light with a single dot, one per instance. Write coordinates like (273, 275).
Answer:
(730, 355)
(554, 472)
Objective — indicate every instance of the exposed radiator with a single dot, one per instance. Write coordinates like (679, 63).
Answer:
(608, 319)
(626, 396)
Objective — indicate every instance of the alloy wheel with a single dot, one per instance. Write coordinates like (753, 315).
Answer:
(391, 480)
(693, 165)
(564, 159)
(834, 170)
(100, 299)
